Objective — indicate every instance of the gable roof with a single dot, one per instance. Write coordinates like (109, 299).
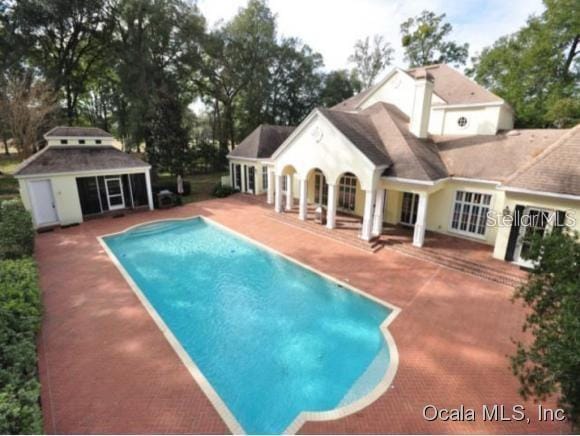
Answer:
(65, 131)
(556, 170)
(454, 87)
(361, 132)
(448, 84)
(493, 157)
(73, 159)
(262, 142)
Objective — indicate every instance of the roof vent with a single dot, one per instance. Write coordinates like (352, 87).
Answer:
(513, 133)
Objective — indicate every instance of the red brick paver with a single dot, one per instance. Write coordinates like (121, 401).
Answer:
(106, 368)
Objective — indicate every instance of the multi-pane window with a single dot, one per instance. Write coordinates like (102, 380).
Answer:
(320, 188)
(409, 208)
(347, 192)
(470, 212)
(264, 178)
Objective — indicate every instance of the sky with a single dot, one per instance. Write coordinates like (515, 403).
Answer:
(332, 27)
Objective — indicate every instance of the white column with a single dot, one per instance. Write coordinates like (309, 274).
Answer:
(270, 187)
(244, 171)
(331, 207)
(278, 194)
(367, 224)
(379, 212)
(149, 190)
(289, 197)
(303, 199)
(421, 224)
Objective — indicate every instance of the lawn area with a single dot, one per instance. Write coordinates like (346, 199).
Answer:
(202, 185)
(8, 184)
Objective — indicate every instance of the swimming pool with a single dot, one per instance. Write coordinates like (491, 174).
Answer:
(272, 343)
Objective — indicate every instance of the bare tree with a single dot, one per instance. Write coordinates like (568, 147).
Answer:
(25, 107)
(371, 57)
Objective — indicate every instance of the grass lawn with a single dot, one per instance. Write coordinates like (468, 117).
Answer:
(202, 185)
(8, 184)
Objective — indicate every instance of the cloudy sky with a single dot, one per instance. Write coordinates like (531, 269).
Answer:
(331, 27)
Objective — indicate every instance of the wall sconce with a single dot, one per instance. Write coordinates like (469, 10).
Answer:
(506, 212)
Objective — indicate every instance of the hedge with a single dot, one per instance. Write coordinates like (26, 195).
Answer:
(20, 314)
(221, 191)
(16, 230)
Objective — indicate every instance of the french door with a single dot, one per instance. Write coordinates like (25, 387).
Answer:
(320, 189)
(347, 193)
(409, 208)
(115, 196)
(534, 222)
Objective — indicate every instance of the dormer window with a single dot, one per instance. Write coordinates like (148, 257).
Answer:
(63, 142)
(98, 141)
(462, 122)
(81, 141)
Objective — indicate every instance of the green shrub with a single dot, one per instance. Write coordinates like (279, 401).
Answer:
(20, 314)
(221, 191)
(16, 230)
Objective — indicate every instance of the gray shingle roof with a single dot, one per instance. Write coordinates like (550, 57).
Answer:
(262, 142)
(556, 170)
(494, 157)
(61, 131)
(65, 159)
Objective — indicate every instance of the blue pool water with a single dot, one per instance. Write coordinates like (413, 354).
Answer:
(273, 338)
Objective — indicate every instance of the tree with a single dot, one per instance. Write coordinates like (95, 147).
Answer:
(69, 42)
(236, 55)
(338, 86)
(371, 58)
(168, 143)
(425, 41)
(294, 83)
(26, 107)
(158, 47)
(550, 364)
(536, 69)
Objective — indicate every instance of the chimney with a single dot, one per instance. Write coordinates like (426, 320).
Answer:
(421, 103)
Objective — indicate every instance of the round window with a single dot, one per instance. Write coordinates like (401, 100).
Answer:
(462, 122)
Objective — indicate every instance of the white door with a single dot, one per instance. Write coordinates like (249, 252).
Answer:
(42, 201)
(115, 195)
(534, 222)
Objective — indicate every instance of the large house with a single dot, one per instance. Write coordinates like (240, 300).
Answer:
(426, 148)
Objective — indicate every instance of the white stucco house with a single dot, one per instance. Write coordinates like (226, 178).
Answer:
(426, 148)
(81, 174)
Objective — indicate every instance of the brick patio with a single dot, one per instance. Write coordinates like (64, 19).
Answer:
(106, 368)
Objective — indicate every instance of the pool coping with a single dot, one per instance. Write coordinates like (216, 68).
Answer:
(212, 395)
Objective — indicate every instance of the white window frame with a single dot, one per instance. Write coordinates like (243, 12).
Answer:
(467, 233)
(348, 189)
(121, 194)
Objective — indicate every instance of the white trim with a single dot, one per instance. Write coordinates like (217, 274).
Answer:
(467, 105)
(539, 193)
(120, 194)
(467, 179)
(206, 386)
(415, 181)
(251, 159)
(88, 173)
(293, 135)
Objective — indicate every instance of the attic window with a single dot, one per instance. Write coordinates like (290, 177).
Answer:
(462, 122)
(97, 141)
(63, 142)
(81, 141)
